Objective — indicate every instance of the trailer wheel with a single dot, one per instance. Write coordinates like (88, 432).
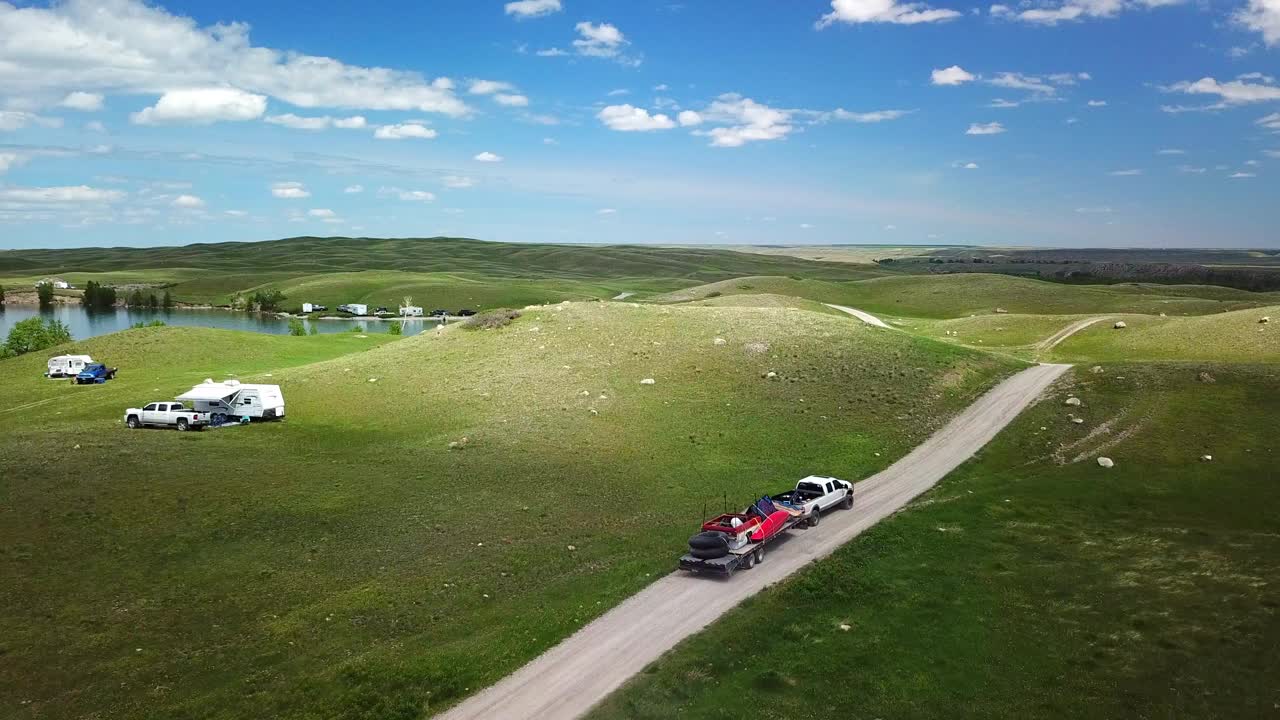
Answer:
(748, 561)
(759, 555)
(133, 422)
(815, 517)
(182, 425)
(848, 502)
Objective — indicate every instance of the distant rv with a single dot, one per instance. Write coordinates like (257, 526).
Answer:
(411, 311)
(354, 309)
(233, 399)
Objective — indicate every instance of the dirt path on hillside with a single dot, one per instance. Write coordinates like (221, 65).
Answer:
(566, 681)
(865, 317)
(1052, 341)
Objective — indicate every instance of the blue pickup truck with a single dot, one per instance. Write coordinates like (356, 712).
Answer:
(94, 374)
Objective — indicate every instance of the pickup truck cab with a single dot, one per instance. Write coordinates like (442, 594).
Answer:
(166, 414)
(815, 495)
(94, 374)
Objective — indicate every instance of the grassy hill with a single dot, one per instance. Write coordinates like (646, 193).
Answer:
(1032, 583)
(434, 512)
(952, 296)
(1226, 337)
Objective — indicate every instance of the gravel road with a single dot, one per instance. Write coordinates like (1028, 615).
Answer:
(566, 681)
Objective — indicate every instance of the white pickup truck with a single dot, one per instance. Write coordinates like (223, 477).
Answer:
(817, 494)
(173, 414)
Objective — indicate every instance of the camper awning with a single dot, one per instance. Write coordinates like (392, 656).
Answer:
(208, 392)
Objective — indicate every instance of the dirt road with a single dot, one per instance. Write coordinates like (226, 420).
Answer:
(566, 681)
(865, 317)
(1052, 341)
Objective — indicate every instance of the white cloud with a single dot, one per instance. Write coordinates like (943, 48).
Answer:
(890, 227)
(1000, 10)
(954, 75)
(688, 118)
(1018, 81)
(353, 189)
(661, 88)
(874, 116)
(991, 128)
(289, 190)
(188, 202)
(883, 11)
(128, 46)
(321, 213)
(1002, 103)
(408, 195)
(606, 211)
(1262, 16)
(1125, 173)
(1097, 103)
(202, 106)
(603, 40)
(403, 131)
(1098, 210)
(551, 52)
(322, 122)
(806, 226)
(511, 100)
(1232, 92)
(618, 92)
(488, 157)
(95, 126)
(970, 166)
(1171, 151)
(1072, 10)
(82, 101)
(627, 118)
(532, 8)
(550, 141)
(1242, 175)
(235, 213)
(488, 87)
(1192, 170)
(744, 120)
(1270, 122)
(458, 182)
(18, 119)
(10, 160)
(65, 195)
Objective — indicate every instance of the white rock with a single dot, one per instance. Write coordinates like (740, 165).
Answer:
(1206, 458)
(771, 375)
(1096, 369)
(373, 379)
(1120, 325)
(1265, 319)
(846, 627)
(1106, 462)
(1078, 421)
(1073, 401)
(648, 381)
(1001, 310)
(720, 341)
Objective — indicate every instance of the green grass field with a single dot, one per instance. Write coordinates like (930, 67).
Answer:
(1032, 583)
(1227, 337)
(347, 563)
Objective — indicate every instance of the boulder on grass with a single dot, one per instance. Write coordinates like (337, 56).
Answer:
(1073, 402)
(1106, 462)
(1120, 325)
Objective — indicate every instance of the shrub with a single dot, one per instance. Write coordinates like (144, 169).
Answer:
(136, 300)
(714, 293)
(168, 300)
(44, 291)
(153, 323)
(296, 327)
(266, 301)
(1, 295)
(97, 296)
(491, 319)
(395, 328)
(36, 334)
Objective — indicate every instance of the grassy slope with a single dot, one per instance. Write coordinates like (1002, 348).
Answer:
(952, 296)
(1226, 337)
(1023, 587)
(337, 564)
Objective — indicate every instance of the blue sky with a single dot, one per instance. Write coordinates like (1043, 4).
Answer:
(1050, 122)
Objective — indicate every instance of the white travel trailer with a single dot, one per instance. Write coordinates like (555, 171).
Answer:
(67, 365)
(355, 308)
(308, 307)
(232, 399)
(411, 311)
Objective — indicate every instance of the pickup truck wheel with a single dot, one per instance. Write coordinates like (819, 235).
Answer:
(133, 422)
(182, 425)
(848, 502)
(815, 517)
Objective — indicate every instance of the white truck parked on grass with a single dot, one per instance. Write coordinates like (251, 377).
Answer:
(817, 494)
(166, 414)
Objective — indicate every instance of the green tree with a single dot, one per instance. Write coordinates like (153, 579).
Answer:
(168, 300)
(36, 334)
(266, 301)
(153, 301)
(1, 295)
(395, 328)
(136, 300)
(296, 327)
(44, 291)
(89, 298)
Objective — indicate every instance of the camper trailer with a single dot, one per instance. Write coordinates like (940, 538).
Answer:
(233, 400)
(355, 308)
(67, 365)
(410, 311)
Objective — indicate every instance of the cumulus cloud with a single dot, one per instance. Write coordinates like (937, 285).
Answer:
(1073, 10)
(511, 100)
(532, 8)
(1262, 16)
(991, 128)
(403, 131)
(488, 87)
(1242, 175)
(744, 120)
(353, 189)
(688, 118)
(883, 11)
(82, 101)
(289, 190)
(1125, 173)
(202, 106)
(603, 40)
(64, 195)
(1232, 92)
(1097, 103)
(628, 118)
(954, 75)
(188, 202)
(606, 211)
(18, 119)
(131, 47)
(970, 166)
(488, 157)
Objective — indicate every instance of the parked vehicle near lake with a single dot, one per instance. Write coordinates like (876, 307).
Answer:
(67, 365)
(165, 414)
(94, 374)
(234, 400)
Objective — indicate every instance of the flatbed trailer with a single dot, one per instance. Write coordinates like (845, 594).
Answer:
(743, 558)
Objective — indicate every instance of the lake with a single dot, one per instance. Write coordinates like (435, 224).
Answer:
(85, 324)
